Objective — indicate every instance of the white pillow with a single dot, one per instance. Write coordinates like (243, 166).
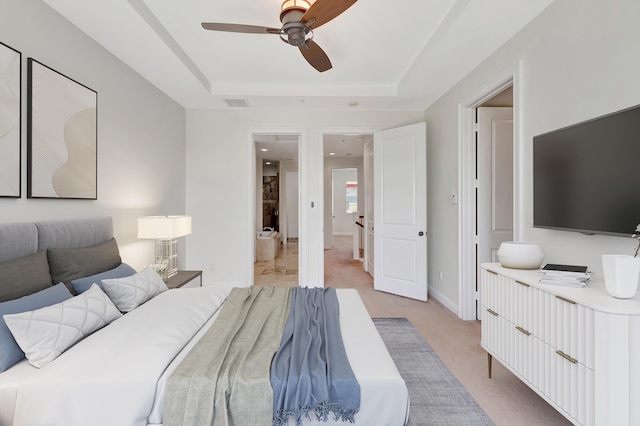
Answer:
(46, 333)
(130, 292)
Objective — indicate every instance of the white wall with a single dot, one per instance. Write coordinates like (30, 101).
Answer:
(141, 132)
(292, 201)
(579, 61)
(218, 144)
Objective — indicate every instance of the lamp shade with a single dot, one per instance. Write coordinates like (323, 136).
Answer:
(164, 227)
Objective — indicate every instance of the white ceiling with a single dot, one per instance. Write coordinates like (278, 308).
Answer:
(386, 55)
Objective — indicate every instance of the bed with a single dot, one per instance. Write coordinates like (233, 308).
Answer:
(118, 374)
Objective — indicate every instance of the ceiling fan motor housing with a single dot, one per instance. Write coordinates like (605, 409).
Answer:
(295, 30)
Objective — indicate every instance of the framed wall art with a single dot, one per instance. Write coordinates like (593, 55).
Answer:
(62, 136)
(10, 121)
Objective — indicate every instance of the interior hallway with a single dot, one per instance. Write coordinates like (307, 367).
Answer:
(504, 398)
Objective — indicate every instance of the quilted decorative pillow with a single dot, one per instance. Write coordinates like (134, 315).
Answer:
(130, 292)
(81, 285)
(68, 264)
(46, 333)
(11, 352)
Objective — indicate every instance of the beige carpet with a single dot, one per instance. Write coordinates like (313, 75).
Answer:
(504, 398)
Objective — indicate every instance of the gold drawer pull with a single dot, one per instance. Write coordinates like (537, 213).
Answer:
(491, 272)
(495, 314)
(566, 300)
(567, 357)
(521, 283)
(523, 331)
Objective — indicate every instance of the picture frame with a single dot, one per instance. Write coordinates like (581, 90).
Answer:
(10, 122)
(62, 137)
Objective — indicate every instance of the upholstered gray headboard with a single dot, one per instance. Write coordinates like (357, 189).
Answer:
(21, 239)
(74, 233)
(17, 240)
(36, 255)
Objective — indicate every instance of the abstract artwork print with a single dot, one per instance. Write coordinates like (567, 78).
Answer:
(10, 118)
(62, 135)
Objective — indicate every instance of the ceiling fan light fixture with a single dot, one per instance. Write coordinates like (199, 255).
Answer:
(299, 18)
(297, 4)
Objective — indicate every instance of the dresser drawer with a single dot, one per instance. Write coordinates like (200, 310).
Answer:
(571, 385)
(494, 332)
(526, 354)
(511, 299)
(570, 328)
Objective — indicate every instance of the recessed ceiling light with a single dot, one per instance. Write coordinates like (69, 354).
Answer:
(332, 153)
(353, 103)
(268, 163)
(264, 149)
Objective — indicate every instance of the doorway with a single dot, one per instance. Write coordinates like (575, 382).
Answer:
(276, 260)
(398, 152)
(344, 200)
(469, 260)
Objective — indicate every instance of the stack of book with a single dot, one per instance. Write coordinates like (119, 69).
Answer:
(569, 275)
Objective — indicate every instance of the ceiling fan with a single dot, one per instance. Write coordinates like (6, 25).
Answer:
(299, 18)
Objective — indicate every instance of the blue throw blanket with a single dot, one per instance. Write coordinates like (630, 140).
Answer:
(310, 373)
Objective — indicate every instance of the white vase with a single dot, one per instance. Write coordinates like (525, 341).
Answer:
(621, 275)
(520, 255)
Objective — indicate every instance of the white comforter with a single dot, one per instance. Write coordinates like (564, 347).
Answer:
(116, 376)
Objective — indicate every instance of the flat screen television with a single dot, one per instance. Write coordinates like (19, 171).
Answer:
(586, 177)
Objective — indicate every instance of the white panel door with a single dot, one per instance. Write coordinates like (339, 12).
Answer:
(494, 191)
(495, 181)
(400, 211)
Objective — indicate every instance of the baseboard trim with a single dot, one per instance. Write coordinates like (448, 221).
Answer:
(445, 301)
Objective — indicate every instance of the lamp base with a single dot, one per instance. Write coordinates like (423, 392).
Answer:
(167, 254)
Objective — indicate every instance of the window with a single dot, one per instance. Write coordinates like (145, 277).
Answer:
(352, 197)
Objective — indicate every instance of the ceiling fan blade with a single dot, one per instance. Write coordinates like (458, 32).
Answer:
(322, 11)
(315, 56)
(239, 28)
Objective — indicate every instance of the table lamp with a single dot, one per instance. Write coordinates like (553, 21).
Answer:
(165, 230)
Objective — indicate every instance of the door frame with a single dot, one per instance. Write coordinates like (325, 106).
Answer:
(303, 223)
(334, 131)
(467, 294)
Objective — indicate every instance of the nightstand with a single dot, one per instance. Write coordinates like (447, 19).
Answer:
(185, 279)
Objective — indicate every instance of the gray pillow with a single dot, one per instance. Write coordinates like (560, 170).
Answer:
(68, 264)
(11, 352)
(23, 276)
(83, 284)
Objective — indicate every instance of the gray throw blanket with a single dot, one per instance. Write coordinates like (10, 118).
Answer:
(311, 372)
(224, 380)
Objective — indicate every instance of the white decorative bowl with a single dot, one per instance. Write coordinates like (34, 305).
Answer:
(520, 255)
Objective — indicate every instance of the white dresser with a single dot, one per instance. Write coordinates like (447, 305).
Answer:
(579, 348)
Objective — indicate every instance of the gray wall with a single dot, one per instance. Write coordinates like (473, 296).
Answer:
(219, 153)
(141, 132)
(579, 60)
